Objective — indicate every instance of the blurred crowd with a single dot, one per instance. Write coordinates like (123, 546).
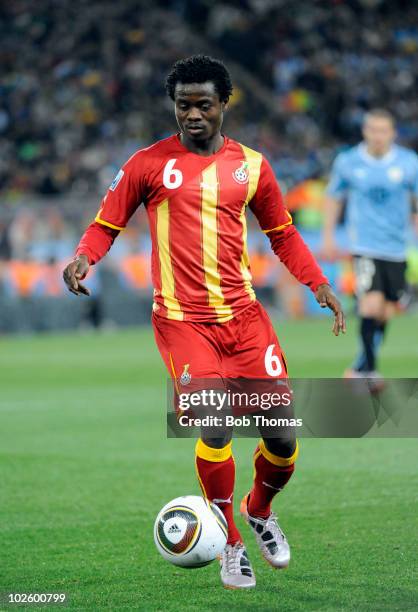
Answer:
(82, 83)
(326, 61)
(82, 87)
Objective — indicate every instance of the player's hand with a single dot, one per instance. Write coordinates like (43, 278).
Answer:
(327, 298)
(75, 271)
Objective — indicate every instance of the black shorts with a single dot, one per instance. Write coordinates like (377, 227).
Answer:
(388, 277)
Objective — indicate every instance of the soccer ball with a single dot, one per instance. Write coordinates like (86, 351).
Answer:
(190, 531)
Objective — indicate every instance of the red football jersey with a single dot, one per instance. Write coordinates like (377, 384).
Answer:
(196, 209)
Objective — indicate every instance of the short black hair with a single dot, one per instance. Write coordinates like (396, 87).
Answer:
(200, 69)
(379, 113)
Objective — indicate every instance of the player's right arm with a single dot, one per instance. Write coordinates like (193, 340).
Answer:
(120, 202)
(334, 194)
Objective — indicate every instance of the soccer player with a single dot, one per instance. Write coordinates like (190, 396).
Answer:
(379, 181)
(196, 187)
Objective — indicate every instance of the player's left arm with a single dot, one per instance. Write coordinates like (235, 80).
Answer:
(276, 222)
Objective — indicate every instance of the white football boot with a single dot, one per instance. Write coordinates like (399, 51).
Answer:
(236, 570)
(270, 538)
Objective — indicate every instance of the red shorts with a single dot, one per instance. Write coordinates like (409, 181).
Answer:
(244, 347)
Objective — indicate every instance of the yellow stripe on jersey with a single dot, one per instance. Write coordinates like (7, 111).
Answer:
(210, 198)
(167, 277)
(245, 260)
(253, 159)
(107, 224)
(280, 227)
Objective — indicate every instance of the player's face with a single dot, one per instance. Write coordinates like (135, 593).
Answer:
(379, 134)
(199, 112)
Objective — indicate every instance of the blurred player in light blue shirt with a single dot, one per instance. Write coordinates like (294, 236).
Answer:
(378, 181)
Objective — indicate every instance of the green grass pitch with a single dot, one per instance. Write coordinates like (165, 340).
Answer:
(85, 466)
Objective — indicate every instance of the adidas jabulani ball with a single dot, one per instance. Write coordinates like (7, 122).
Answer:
(190, 531)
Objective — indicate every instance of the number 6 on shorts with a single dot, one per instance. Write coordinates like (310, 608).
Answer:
(272, 362)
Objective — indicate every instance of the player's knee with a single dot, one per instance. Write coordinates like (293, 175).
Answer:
(372, 305)
(389, 312)
(281, 447)
(218, 442)
(372, 313)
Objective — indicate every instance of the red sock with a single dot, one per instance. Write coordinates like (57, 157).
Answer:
(216, 472)
(271, 475)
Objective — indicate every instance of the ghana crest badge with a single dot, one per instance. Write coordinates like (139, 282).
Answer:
(241, 174)
(185, 378)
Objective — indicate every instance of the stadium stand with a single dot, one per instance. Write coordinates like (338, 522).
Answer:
(82, 87)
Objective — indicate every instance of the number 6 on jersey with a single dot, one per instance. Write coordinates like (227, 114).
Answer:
(172, 178)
